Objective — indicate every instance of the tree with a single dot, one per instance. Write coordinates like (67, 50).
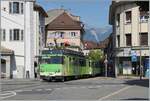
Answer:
(96, 55)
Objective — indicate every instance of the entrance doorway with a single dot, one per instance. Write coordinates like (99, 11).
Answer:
(3, 68)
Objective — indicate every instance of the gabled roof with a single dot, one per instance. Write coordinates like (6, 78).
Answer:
(64, 21)
(54, 13)
(40, 9)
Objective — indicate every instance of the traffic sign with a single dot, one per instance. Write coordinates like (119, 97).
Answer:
(133, 56)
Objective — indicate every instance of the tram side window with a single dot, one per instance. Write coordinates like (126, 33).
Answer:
(57, 60)
(82, 62)
(54, 60)
(75, 61)
(46, 61)
(89, 64)
(93, 64)
(69, 59)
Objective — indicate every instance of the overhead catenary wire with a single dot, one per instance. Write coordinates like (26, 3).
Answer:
(13, 21)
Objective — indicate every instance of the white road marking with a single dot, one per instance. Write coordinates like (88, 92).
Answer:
(114, 93)
(6, 93)
(10, 92)
(57, 88)
(82, 87)
(18, 90)
(48, 89)
(27, 90)
(39, 89)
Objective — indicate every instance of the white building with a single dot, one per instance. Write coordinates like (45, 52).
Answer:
(39, 31)
(130, 34)
(20, 31)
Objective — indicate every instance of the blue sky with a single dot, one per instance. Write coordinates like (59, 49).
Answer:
(93, 13)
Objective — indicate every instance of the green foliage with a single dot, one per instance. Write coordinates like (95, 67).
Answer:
(96, 55)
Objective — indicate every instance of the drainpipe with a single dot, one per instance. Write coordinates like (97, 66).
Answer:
(0, 37)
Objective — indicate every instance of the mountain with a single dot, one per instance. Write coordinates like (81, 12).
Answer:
(97, 34)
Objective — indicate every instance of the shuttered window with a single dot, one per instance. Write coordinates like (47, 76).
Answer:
(10, 36)
(16, 35)
(3, 36)
(22, 7)
(10, 7)
(128, 40)
(16, 8)
(143, 38)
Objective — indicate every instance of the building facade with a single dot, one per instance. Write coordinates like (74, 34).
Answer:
(63, 29)
(39, 32)
(17, 34)
(130, 35)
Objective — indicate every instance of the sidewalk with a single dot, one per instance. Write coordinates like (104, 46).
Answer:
(18, 79)
(131, 77)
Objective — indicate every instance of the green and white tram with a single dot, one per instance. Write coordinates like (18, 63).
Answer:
(66, 64)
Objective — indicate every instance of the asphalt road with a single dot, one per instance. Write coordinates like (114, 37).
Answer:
(84, 89)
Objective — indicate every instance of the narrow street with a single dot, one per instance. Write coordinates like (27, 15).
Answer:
(84, 89)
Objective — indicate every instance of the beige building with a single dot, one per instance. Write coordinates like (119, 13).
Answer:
(130, 34)
(63, 29)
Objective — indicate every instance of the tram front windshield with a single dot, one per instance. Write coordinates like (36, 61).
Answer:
(53, 60)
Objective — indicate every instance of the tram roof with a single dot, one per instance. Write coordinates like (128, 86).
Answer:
(62, 51)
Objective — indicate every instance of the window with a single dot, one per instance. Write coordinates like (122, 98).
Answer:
(118, 40)
(144, 16)
(73, 34)
(89, 64)
(118, 20)
(41, 29)
(54, 60)
(16, 35)
(16, 8)
(143, 38)
(82, 62)
(3, 37)
(61, 44)
(128, 40)
(62, 34)
(128, 16)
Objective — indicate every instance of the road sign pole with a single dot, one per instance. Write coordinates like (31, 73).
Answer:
(106, 61)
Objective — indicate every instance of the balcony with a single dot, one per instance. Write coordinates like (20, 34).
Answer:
(144, 15)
